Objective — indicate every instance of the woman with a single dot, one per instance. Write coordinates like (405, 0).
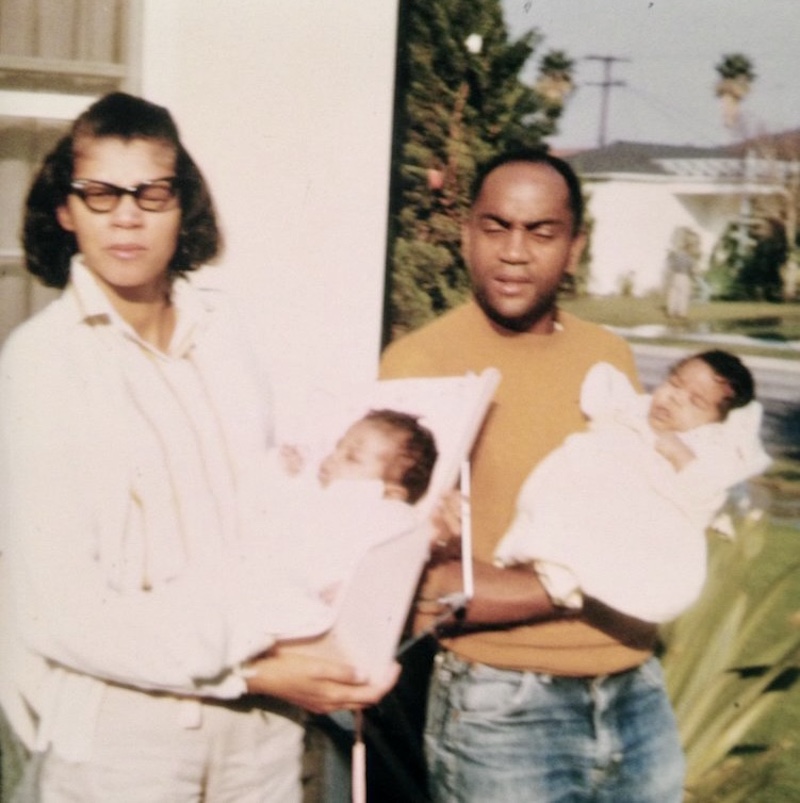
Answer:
(140, 573)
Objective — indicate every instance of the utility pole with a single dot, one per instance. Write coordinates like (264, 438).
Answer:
(606, 84)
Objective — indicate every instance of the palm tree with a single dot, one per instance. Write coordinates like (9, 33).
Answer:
(735, 78)
(555, 81)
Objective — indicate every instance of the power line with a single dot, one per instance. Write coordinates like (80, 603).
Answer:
(606, 85)
(678, 115)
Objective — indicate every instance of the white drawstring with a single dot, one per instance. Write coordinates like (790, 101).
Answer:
(359, 762)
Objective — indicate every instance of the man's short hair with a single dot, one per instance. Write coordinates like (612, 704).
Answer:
(536, 156)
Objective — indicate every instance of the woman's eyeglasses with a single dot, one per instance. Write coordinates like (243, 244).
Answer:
(158, 195)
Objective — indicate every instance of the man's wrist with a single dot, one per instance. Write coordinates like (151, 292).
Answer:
(559, 583)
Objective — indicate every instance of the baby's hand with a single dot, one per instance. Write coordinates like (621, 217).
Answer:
(292, 459)
(670, 446)
(329, 594)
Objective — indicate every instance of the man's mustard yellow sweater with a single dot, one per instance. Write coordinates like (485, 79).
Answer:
(536, 406)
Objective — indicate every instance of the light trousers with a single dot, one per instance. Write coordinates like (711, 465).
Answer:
(679, 295)
(144, 752)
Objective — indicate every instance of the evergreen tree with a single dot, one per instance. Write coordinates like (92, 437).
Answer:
(459, 102)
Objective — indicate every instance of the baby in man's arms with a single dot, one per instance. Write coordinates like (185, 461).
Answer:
(618, 512)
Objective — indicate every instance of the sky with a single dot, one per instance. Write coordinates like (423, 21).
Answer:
(668, 51)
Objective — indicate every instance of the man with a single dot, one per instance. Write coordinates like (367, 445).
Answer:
(541, 695)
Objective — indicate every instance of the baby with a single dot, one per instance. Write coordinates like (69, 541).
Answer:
(619, 512)
(362, 492)
(386, 446)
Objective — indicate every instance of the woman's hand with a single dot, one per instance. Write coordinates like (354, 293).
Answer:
(313, 683)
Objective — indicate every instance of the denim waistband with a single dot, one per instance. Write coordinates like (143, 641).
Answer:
(455, 665)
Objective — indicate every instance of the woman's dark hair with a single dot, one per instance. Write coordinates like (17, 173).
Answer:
(49, 248)
(417, 453)
(536, 156)
(730, 370)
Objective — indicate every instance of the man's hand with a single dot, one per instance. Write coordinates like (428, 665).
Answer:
(315, 684)
(446, 521)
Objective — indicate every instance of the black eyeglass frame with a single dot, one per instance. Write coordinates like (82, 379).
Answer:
(79, 187)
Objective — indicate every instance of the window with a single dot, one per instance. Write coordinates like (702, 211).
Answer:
(56, 56)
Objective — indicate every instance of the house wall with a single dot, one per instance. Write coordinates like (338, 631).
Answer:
(711, 215)
(287, 108)
(634, 220)
(633, 223)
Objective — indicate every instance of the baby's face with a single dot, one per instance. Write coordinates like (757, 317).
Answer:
(691, 396)
(363, 453)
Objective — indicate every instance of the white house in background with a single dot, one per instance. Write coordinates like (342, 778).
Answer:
(638, 194)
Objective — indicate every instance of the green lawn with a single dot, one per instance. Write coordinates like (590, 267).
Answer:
(770, 325)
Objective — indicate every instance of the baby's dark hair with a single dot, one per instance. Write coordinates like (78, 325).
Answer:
(730, 370)
(417, 453)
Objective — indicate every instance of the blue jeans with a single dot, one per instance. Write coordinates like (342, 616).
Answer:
(521, 737)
